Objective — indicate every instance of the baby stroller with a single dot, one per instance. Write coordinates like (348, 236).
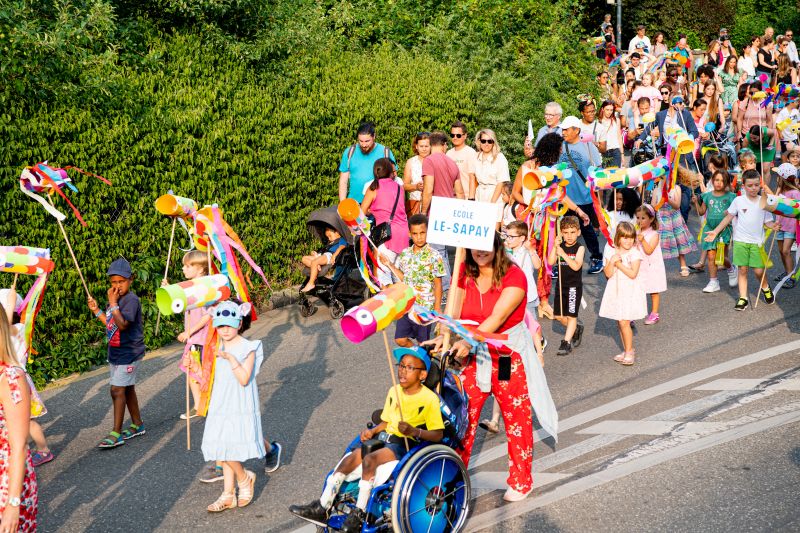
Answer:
(346, 287)
(426, 490)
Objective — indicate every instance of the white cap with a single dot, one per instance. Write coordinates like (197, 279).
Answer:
(786, 170)
(4, 300)
(570, 122)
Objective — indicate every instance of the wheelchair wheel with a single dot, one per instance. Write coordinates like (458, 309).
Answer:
(337, 308)
(431, 493)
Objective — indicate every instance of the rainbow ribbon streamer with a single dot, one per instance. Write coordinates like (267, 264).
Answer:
(41, 178)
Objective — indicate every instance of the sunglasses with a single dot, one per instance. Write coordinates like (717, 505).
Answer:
(487, 141)
(665, 93)
(457, 135)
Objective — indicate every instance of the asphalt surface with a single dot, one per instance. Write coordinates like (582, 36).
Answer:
(318, 390)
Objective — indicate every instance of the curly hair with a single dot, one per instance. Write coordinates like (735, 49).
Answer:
(547, 152)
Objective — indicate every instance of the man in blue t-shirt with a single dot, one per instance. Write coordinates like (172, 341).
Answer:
(355, 168)
(580, 156)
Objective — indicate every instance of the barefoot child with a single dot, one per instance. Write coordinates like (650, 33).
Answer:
(624, 299)
(233, 425)
(714, 205)
(567, 300)
(315, 261)
(652, 271)
(748, 236)
(125, 335)
(11, 301)
(419, 406)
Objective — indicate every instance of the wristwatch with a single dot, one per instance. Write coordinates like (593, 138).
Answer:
(14, 502)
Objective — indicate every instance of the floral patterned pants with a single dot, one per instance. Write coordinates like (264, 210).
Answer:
(515, 405)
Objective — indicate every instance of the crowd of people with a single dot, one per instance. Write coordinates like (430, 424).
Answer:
(743, 151)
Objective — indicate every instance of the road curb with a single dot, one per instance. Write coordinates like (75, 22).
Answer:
(284, 298)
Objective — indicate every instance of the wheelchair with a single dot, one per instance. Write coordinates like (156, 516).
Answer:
(428, 489)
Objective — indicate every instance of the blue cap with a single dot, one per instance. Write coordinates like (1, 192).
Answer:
(120, 267)
(677, 100)
(229, 313)
(415, 351)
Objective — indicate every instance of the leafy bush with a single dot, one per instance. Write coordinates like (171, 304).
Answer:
(184, 95)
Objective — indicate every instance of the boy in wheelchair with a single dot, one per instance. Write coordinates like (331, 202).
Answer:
(420, 409)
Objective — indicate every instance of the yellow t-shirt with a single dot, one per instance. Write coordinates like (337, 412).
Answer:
(418, 409)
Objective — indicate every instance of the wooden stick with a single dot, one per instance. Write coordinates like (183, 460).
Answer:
(764, 275)
(558, 266)
(394, 380)
(14, 284)
(166, 269)
(69, 247)
(188, 410)
(451, 294)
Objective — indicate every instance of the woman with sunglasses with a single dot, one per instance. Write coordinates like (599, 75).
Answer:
(491, 170)
(666, 94)
(491, 291)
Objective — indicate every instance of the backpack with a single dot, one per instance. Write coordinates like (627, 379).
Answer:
(455, 406)
(352, 150)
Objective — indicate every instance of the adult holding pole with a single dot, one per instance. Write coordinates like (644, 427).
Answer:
(491, 291)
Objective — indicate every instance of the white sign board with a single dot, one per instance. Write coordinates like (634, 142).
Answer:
(462, 223)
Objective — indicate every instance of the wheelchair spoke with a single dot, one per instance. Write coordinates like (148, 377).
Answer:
(453, 492)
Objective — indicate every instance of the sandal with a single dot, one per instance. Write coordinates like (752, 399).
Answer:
(39, 458)
(630, 358)
(685, 272)
(619, 357)
(246, 488)
(697, 267)
(113, 440)
(490, 425)
(225, 501)
(133, 431)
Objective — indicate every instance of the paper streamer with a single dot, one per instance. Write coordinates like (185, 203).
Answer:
(620, 178)
(786, 207)
(356, 220)
(42, 178)
(192, 294)
(25, 260)
(680, 140)
(378, 312)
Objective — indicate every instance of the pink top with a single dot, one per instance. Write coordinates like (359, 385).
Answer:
(789, 224)
(190, 321)
(750, 112)
(649, 92)
(381, 208)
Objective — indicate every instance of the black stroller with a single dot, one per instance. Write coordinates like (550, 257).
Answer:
(346, 287)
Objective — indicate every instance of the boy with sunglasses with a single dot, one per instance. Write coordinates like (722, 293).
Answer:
(415, 418)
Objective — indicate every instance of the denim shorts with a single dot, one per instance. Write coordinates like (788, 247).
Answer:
(784, 235)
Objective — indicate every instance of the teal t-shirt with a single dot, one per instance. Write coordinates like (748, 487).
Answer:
(360, 169)
(717, 206)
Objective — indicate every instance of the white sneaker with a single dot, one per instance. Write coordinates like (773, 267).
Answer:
(713, 285)
(513, 496)
(733, 277)
(794, 246)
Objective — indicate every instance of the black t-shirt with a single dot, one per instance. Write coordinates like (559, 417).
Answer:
(569, 277)
(126, 346)
(766, 57)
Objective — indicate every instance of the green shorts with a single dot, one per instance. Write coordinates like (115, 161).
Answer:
(747, 255)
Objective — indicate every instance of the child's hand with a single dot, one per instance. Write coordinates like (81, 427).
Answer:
(640, 237)
(189, 363)
(366, 435)
(711, 236)
(776, 226)
(164, 282)
(383, 259)
(225, 355)
(420, 186)
(558, 240)
(113, 296)
(406, 429)
(93, 307)
(183, 336)
(616, 258)
(436, 342)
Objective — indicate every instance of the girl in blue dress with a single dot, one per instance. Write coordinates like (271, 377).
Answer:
(233, 425)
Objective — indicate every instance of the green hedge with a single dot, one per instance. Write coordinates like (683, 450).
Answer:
(251, 116)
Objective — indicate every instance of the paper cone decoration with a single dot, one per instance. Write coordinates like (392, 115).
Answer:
(193, 293)
(351, 213)
(378, 312)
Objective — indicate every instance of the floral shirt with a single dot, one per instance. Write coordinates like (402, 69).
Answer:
(419, 269)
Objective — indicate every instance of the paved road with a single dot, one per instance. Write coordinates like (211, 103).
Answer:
(700, 434)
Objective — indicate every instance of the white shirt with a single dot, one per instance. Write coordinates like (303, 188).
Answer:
(636, 40)
(465, 161)
(750, 220)
(611, 132)
(785, 113)
(594, 129)
(522, 257)
(791, 51)
(747, 66)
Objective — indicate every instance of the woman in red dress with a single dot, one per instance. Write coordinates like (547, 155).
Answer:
(492, 292)
(18, 490)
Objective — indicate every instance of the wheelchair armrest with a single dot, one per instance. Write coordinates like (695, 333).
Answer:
(371, 445)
